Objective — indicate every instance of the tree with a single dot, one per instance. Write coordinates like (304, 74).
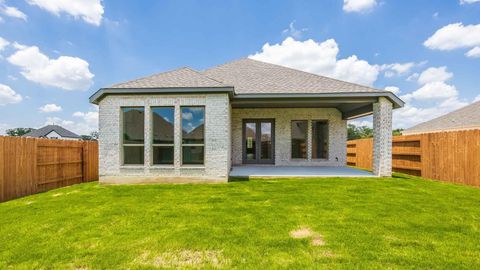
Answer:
(18, 131)
(397, 132)
(92, 137)
(362, 132)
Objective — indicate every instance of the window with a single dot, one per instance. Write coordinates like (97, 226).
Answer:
(133, 135)
(319, 139)
(163, 133)
(299, 139)
(193, 133)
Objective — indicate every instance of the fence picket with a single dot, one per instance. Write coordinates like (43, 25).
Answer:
(31, 165)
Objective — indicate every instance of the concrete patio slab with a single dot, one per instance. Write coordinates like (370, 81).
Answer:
(296, 171)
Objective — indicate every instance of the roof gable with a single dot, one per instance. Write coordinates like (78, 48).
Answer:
(44, 131)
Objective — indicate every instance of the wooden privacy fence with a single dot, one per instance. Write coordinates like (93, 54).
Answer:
(31, 165)
(447, 156)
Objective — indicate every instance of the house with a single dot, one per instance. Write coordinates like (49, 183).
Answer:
(198, 125)
(464, 118)
(53, 132)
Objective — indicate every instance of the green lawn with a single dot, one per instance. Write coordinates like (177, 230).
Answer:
(401, 222)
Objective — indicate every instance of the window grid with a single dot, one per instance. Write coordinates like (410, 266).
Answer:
(125, 145)
(161, 144)
(183, 145)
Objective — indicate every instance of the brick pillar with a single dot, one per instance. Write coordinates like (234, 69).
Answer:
(382, 137)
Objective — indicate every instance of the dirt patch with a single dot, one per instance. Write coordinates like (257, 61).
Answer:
(301, 233)
(317, 240)
(305, 232)
(184, 258)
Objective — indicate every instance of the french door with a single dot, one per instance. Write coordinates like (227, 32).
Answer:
(258, 141)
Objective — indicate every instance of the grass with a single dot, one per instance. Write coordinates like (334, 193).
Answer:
(400, 223)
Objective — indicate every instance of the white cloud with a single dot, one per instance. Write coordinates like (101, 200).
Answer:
(3, 43)
(47, 108)
(435, 90)
(8, 96)
(393, 89)
(318, 58)
(454, 36)
(91, 11)
(187, 116)
(294, 32)
(85, 124)
(66, 72)
(462, 2)
(397, 69)
(433, 99)
(477, 98)
(12, 11)
(434, 74)
(473, 53)
(361, 6)
(413, 77)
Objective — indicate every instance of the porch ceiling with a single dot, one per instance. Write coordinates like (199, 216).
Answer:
(349, 107)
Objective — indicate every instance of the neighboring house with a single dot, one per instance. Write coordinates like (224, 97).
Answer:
(465, 118)
(198, 124)
(53, 132)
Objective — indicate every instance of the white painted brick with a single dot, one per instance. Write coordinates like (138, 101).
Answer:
(382, 137)
(336, 140)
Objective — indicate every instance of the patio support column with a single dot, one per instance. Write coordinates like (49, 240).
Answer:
(382, 137)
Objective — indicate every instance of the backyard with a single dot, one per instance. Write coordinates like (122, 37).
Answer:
(400, 222)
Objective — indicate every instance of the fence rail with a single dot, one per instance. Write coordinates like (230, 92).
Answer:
(447, 156)
(30, 165)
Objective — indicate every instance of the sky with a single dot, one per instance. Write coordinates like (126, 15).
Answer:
(54, 54)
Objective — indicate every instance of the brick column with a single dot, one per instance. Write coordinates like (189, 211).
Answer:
(382, 137)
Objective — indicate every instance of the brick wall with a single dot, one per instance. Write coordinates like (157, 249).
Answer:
(337, 138)
(217, 140)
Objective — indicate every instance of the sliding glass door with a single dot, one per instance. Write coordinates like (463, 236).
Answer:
(258, 141)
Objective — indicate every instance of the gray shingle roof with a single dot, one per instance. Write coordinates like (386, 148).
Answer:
(42, 132)
(250, 76)
(182, 77)
(467, 117)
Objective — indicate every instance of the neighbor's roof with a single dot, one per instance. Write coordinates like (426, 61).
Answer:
(44, 131)
(250, 76)
(467, 117)
(244, 77)
(182, 77)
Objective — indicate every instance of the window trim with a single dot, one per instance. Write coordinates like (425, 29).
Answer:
(193, 144)
(122, 144)
(328, 139)
(161, 144)
(306, 140)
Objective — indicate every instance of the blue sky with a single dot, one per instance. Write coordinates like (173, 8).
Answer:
(55, 54)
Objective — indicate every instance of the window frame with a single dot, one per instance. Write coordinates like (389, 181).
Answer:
(328, 138)
(306, 140)
(123, 144)
(161, 144)
(193, 144)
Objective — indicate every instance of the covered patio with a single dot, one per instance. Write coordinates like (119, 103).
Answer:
(296, 171)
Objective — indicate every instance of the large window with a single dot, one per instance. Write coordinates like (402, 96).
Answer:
(319, 139)
(299, 139)
(133, 135)
(162, 135)
(193, 133)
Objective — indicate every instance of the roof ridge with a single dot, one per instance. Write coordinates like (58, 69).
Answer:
(206, 76)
